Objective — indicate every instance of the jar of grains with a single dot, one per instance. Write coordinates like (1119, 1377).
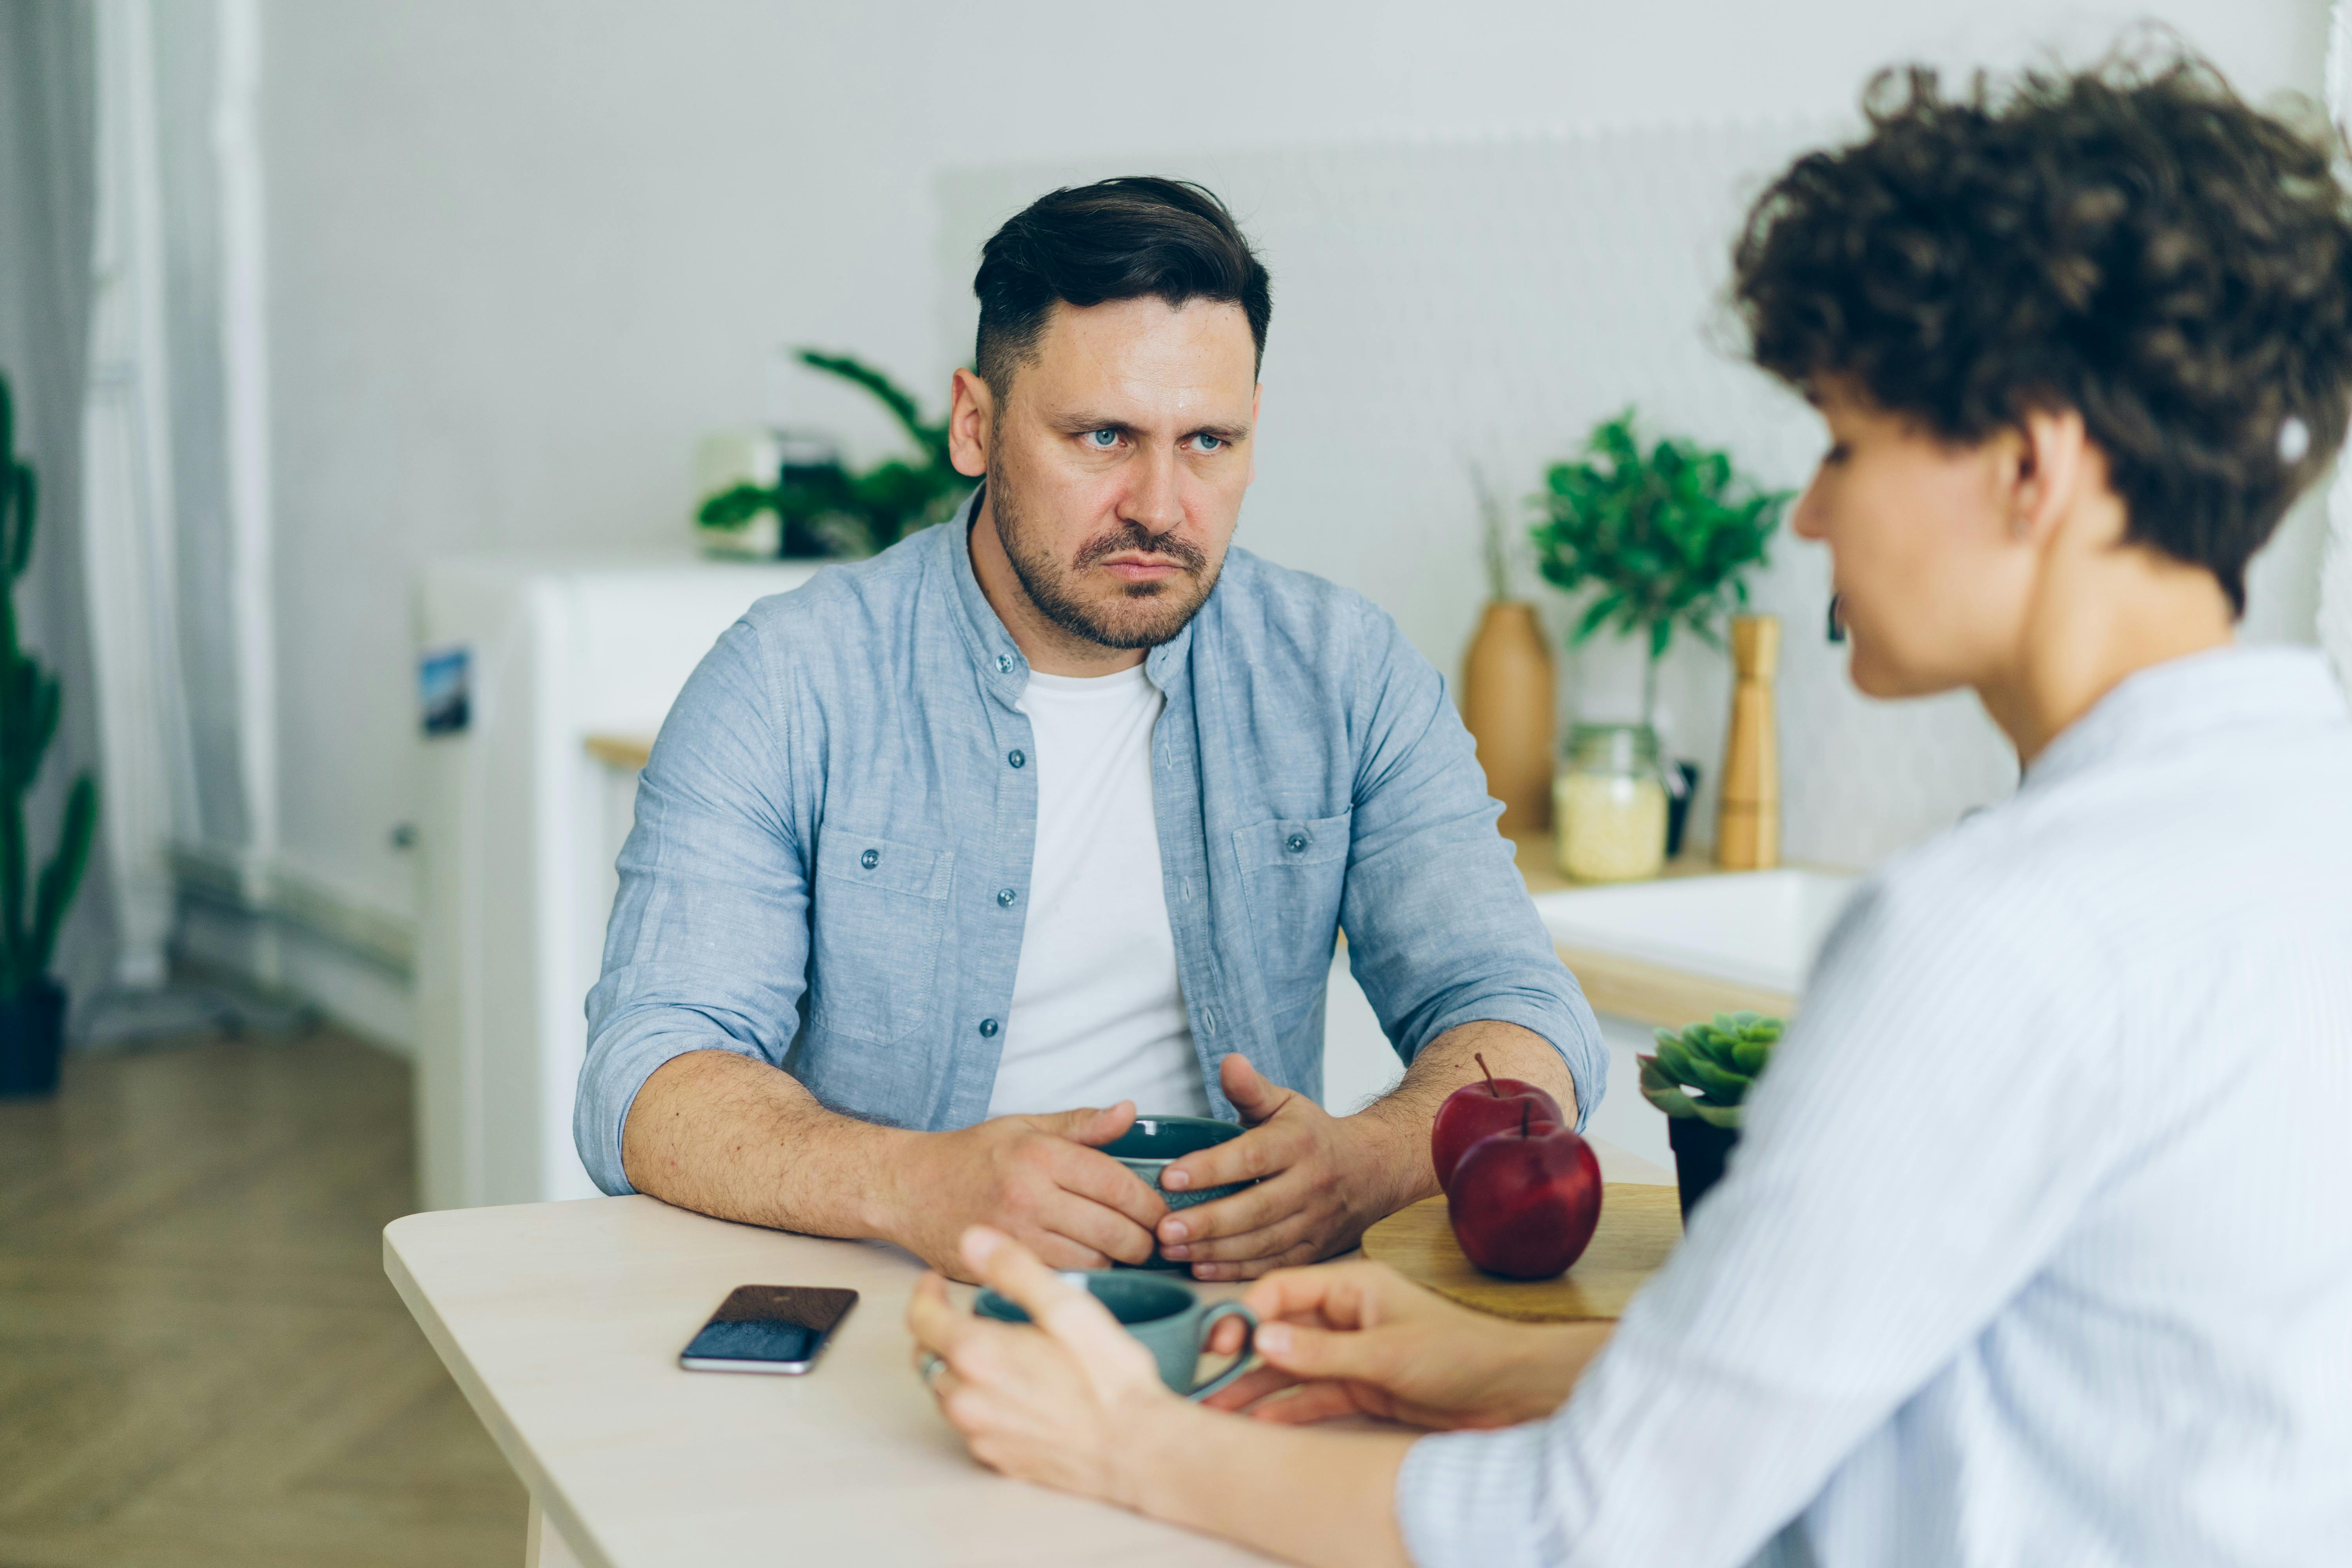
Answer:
(1609, 804)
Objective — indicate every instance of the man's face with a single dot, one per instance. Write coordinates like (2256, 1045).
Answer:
(1934, 582)
(1117, 463)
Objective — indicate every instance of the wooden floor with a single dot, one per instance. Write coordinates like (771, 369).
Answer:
(201, 1361)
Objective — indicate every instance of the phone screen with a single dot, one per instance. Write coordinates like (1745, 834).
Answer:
(768, 1328)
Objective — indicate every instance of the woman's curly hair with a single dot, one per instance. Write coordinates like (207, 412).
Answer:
(2134, 243)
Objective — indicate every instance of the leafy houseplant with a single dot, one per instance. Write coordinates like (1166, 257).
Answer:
(1700, 1077)
(1666, 535)
(825, 508)
(32, 1005)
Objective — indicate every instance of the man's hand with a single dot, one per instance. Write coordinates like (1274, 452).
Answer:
(1327, 1179)
(1358, 1339)
(1038, 1178)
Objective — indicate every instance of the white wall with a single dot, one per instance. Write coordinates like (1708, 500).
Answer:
(522, 254)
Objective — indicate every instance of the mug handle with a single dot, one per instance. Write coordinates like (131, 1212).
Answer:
(1209, 1320)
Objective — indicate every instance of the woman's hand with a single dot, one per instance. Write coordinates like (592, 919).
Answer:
(1076, 1402)
(1358, 1339)
(1062, 1406)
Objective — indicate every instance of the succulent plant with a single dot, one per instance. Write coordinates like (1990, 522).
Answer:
(1718, 1059)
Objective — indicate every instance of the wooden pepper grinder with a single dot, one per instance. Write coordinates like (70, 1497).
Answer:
(1748, 830)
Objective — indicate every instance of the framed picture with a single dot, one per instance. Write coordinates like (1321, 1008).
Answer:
(444, 676)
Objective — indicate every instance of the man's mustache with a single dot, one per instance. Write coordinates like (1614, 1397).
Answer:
(1135, 537)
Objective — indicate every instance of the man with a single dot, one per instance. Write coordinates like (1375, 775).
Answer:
(949, 863)
(2034, 1250)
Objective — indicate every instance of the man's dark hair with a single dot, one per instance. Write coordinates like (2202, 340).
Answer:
(2134, 243)
(1117, 239)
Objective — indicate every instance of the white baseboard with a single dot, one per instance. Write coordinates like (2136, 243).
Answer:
(279, 931)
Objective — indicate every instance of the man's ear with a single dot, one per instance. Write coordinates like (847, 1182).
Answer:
(2051, 467)
(1257, 406)
(972, 423)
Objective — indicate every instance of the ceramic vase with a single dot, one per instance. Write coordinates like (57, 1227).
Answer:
(1509, 703)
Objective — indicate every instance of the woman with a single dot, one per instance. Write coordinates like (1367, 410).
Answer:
(2033, 1248)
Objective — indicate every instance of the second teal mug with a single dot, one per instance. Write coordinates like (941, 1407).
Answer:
(1172, 1323)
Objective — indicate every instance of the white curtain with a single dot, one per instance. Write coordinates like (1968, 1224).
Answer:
(2335, 564)
(177, 461)
(127, 535)
(47, 141)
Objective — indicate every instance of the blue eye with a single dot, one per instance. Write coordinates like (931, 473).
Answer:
(1210, 443)
(1103, 440)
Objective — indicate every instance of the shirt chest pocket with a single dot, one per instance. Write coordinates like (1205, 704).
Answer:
(1293, 872)
(878, 909)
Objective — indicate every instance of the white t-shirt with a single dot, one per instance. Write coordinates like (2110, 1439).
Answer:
(1097, 1009)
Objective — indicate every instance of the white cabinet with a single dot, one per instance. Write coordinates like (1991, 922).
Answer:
(518, 832)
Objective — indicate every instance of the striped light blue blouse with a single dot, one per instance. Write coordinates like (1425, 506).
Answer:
(2038, 1247)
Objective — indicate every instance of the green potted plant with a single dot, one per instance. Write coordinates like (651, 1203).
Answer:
(32, 1004)
(1665, 537)
(825, 508)
(1700, 1077)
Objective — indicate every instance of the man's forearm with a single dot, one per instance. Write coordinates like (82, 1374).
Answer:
(725, 1136)
(1400, 1121)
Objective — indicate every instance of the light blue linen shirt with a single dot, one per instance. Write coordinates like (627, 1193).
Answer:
(830, 864)
(2037, 1245)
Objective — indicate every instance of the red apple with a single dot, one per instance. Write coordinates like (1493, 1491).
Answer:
(1525, 1202)
(1475, 1109)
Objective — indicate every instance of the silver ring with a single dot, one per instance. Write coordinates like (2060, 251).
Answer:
(928, 1368)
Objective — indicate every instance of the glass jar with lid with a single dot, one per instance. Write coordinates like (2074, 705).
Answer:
(1609, 804)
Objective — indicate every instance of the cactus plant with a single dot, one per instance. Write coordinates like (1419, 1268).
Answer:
(29, 706)
(1705, 1070)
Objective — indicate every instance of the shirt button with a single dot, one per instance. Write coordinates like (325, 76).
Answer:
(1295, 843)
(1005, 896)
(988, 1029)
(1018, 759)
(1004, 664)
(1208, 1019)
(870, 860)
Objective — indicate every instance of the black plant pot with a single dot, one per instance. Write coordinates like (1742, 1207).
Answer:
(1700, 1149)
(32, 1038)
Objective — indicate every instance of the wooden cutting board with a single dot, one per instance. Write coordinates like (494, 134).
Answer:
(1639, 1226)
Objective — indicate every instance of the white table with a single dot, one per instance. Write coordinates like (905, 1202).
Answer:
(563, 1322)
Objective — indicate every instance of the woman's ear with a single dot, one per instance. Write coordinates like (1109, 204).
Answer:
(2049, 473)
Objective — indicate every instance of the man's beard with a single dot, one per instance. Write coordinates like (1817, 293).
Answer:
(1144, 614)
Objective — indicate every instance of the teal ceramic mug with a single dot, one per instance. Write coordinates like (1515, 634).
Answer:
(1154, 1141)
(1172, 1323)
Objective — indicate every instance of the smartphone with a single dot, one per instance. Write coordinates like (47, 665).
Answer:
(768, 1328)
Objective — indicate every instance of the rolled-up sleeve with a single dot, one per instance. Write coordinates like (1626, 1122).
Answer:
(1441, 931)
(707, 948)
